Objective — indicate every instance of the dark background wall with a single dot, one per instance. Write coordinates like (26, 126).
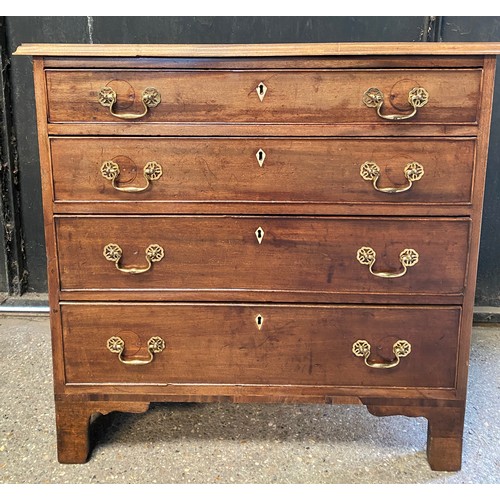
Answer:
(22, 251)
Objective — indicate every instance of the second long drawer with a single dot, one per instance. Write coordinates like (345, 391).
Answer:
(291, 254)
(330, 171)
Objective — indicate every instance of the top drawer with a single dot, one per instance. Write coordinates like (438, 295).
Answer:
(264, 96)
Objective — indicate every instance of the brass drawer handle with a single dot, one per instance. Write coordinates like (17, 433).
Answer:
(417, 97)
(370, 171)
(362, 349)
(152, 171)
(367, 256)
(150, 99)
(113, 253)
(117, 345)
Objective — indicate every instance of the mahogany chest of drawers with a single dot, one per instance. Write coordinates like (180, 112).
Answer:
(271, 223)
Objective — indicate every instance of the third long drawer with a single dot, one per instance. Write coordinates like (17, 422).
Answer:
(324, 255)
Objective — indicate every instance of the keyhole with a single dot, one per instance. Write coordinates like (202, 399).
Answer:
(261, 156)
(261, 90)
(259, 233)
(259, 320)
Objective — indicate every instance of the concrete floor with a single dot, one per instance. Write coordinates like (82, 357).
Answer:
(230, 443)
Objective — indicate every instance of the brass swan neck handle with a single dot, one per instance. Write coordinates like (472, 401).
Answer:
(417, 98)
(150, 98)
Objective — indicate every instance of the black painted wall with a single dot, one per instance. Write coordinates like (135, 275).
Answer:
(485, 29)
(228, 30)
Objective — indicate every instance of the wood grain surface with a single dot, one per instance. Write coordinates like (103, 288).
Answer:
(253, 50)
(309, 199)
(296, 254)
(292, 96)
(293, 171)
(270, 62)
(213, 344)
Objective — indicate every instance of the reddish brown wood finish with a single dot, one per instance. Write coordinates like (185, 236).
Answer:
(251, 393)
(298, 345)
(49, 228)
(193, 129)
(271, 296)
(264, 50)
(293, 171)
(296, 254)
(231, 63)
(444, 432)
(265, 208)
(292, 96)
(210, 110)
(73, 425)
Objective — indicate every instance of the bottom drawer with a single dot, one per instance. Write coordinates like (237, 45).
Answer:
(260, 344)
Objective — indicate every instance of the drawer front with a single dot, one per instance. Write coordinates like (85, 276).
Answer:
(295, 345)
(327, 96)
(294, 253)
(259, 170)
